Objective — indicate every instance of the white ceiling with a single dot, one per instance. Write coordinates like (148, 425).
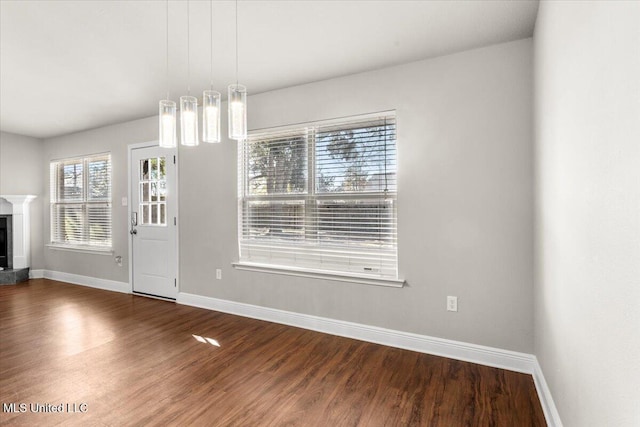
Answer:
(67, 66)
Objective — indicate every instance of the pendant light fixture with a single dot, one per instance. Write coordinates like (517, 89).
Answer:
(188, 104)
(237, 102)
(211, 100)
(167, 115)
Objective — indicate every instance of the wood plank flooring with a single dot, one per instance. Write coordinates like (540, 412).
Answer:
(138, 361)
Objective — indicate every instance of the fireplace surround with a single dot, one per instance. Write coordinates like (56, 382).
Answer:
(14, 219)
(6, 242)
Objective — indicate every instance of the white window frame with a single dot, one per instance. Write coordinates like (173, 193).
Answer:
(311, 196)
(86, 245)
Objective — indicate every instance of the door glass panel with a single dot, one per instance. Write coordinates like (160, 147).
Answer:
(144, 191)
(153, 191)
(154, 169)
(144, 169)
(162, 171)
(145, 215)
(162, 190)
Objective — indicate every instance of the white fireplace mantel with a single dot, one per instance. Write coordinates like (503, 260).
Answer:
(18, 207)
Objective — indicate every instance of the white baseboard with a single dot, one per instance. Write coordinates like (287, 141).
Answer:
(544, 394)
(483, 355)
(36, 274)
(504, 359)
(92, 282)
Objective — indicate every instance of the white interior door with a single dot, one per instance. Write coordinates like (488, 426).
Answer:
(153, 230)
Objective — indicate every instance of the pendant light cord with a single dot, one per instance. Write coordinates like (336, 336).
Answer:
(188, 52)
(236, 43)
(211, 28)
(167, 18)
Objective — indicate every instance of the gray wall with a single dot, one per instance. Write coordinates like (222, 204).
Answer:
(587, 108)
(465, 199)
(21, 173)
(113, 139)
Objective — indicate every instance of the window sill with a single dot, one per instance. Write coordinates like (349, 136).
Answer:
(82, 249)
(318, 274)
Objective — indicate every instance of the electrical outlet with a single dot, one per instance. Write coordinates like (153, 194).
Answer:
(218, 274)
(452, 303)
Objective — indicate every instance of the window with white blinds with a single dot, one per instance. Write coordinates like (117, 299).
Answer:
(321, 197)
(81, 202)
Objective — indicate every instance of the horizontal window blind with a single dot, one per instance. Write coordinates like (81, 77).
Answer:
(321, 196)
(80, 192)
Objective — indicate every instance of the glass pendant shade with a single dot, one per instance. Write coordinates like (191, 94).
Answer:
(167, 124)
(237, 112)
(189, 121)
(211, 116)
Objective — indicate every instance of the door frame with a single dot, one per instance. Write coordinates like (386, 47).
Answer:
(130, 149)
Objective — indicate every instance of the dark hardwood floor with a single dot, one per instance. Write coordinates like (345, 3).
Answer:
(138, 361)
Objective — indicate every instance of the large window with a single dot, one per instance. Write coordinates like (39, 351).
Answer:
(81, 202)
(321, 198)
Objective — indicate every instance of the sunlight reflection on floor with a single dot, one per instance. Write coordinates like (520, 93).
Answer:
(206, 340)
(78, 332)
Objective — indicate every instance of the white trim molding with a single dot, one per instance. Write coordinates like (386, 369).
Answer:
(318, 274)
(544, 394)
(36, 274)
(489, 356)
(86, 249)
(92, 282)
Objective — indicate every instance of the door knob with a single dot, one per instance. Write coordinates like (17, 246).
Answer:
(133, 231)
